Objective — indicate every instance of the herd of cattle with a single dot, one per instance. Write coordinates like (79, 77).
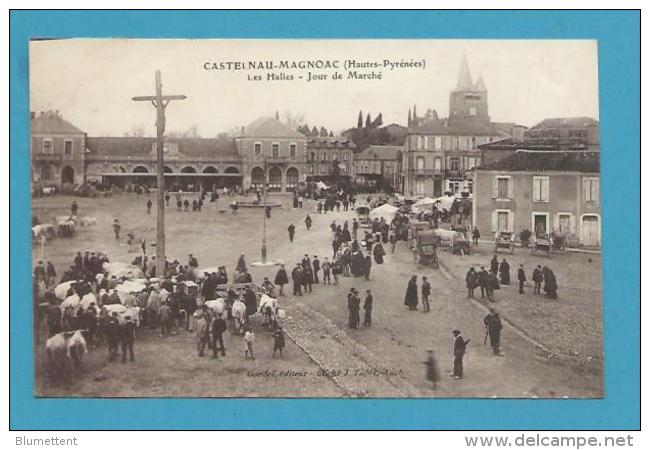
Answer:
(65, 350)
(61, 226)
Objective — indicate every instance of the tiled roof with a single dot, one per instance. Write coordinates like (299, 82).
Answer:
(270, 127)
(546, 161)
(330, 142)
(385, 152)
(456, 127)
(131, 146)
(573, 122)
(51, 122)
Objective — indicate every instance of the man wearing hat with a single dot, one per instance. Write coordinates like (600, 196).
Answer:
(327, 267)
(353, 308)
(367, 307)
(201, 332)
(459, 352)
(316, 263)
(128, 337)
(521, 276)
(493, 327)
(296, 276)
(113, 332)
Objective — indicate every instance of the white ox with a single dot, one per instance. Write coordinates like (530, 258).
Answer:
(122, 270)
(87, 221)
(268, 308)
(218, 305)
(239, 314)
(122, 311)
(63, 347)
(61, 290)
(77, 348)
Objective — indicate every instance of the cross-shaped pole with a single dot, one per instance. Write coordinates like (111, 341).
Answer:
(160, 102)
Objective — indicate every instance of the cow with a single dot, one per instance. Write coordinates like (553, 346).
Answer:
(87, 221)
(76, 348)
(268, 308)
(56, 349)
(218, 305)
(239, 314)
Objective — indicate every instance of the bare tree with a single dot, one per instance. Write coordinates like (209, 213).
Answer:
(294, 120)
(135, 131)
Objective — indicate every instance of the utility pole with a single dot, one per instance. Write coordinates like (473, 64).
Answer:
(160, 102)
(264, 219)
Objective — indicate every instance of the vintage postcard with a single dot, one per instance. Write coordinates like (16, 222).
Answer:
(316, 218)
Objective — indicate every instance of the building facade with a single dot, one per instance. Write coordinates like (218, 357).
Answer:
(266, 151)
(439, 153)
(57, 150)
(379, 167)
(322, 152)
(543, 191)
(565, 133)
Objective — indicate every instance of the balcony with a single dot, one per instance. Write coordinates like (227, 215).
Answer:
(276, 159)
(453, 173)
(46, 157)
(427, 172)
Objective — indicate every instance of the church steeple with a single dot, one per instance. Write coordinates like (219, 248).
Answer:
(464, 77)
(480, 84)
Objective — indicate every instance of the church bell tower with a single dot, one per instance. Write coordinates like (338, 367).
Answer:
(468, 100)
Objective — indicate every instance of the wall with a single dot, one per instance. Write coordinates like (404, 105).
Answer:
(57, 160)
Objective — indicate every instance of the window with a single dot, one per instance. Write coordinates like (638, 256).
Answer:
(454, 187)
(323, 156)
(564, 223)
(472, 110)
(454, 164)
(437, 143)
(419, 186)
(463, 143)
(48, 146)
(590, 189)
(345, 156)
(454, 143)
(67, 149)
(473, 141)
(422, 142)
(471, 162)
(276, 150)
(437, 164)
(292, 150)
(258, 149)
(502, 188)
(419, 163)
(540, 189)
(502, 221)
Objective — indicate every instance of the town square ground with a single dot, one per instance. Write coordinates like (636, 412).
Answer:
(552, 348)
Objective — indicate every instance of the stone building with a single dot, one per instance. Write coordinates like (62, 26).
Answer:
(379, 167)
(57, 150)
(439, 153)
(322, 152)
(543, 191)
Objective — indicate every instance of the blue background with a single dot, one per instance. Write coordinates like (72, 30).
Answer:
(618, 35)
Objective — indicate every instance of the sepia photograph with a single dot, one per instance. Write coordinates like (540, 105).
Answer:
(325, 218)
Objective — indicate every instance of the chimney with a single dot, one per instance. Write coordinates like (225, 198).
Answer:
(277, 115)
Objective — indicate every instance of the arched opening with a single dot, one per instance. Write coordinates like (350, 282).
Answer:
(67, 175)
(232, 169)
(46, 173)
(257, 178)
(167, 169)
(292, 179)
(140, 169)
(188, 169)
(210, 169)
(275, 179)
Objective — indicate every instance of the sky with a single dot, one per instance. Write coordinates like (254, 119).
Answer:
(92, 81)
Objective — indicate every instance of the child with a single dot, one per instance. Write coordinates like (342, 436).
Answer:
(249, 338)
(278, 340)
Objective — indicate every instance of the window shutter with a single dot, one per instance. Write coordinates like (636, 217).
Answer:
(495, 187)
(596, 184)
(536, 190)
(510, 188)
(572, 224)
(545, 189)
(511, 221)
(556, 222)
(494, 221)
(585, 189)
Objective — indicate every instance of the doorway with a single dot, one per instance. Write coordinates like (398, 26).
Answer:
(540, 224)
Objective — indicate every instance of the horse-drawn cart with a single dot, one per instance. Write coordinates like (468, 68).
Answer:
(542, 244)
(504, 240)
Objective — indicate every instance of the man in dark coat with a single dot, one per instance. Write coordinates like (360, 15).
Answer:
(316, 264)
(521, 276)
(218, 328)
(128, 338)
(476, 234)
(471, 280)
(494, 264)
(307, 278)
(367, 265)
(550, 283)
(53, 315)
(367, 307)
(113, 334)
(493, 327)
(308, 222)
(353, 308)
(432, 368)
(379, 253)
(538, 277)
(504, 272)
(411, 297)
(483, 280)
(426, 291)
(460, 345)
(281, 279)
(296, 276)
(149, 204)
(250, 300)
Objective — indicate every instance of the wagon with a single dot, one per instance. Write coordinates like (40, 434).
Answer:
(363, 213)
(460, 244)
(425, 248)
(504, 240)
(542, 244)
(558, 242)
